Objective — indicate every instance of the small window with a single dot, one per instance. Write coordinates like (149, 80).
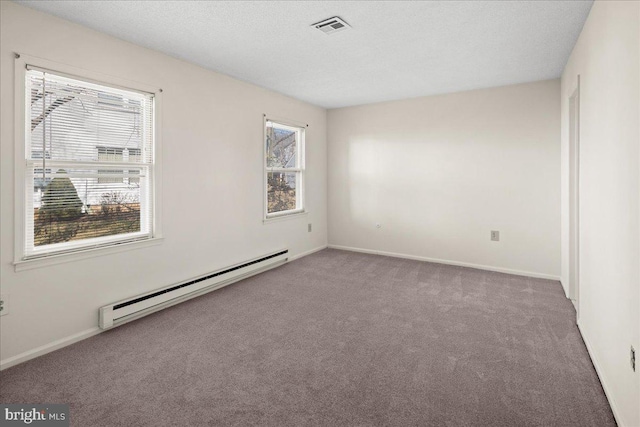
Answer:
(284, 169)
(110, 154)
(90, 158)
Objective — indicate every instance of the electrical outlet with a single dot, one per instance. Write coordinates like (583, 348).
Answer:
(4, 305)
(495, 235)
(309, 228)
(633, 359)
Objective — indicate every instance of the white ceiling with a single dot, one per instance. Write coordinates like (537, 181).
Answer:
(395, 50)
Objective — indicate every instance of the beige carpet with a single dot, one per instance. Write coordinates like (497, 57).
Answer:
(335, 338)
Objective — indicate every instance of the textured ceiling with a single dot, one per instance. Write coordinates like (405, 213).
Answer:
(395, 50)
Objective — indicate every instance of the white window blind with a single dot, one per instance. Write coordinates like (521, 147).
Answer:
(89, 164)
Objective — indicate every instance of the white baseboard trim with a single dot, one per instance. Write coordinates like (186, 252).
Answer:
(303, 254)
(565, 286)
(72, 339)
(448, 262)
(601, 377)
(48, 348)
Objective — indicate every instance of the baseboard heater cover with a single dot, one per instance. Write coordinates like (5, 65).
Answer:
(126, 310)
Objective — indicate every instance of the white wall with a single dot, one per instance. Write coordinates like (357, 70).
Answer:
(212, 137)
(606, 57)
(439, 173)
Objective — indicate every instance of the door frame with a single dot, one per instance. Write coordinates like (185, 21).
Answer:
(574, 197)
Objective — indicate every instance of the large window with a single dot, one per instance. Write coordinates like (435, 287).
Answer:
(89, 152)
(284, 169)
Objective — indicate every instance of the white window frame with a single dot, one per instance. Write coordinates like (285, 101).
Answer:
(300, 153)
(80, 250)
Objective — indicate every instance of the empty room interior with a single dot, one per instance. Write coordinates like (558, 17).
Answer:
(320, 213)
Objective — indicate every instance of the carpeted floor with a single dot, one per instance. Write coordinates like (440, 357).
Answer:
(335, 338)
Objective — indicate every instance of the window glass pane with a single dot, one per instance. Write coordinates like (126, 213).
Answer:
(281, 146)
(281, 191)
(70, 118)
(76, 205)
(41, 178)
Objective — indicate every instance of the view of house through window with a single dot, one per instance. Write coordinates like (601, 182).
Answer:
(90, 160)
(284, 168)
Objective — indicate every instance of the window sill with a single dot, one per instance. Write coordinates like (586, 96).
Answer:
(278, 218)
(89, 253)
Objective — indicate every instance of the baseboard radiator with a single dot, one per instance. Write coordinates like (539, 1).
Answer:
(133, 308)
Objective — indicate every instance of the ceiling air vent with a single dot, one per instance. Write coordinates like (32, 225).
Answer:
(331, 25)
